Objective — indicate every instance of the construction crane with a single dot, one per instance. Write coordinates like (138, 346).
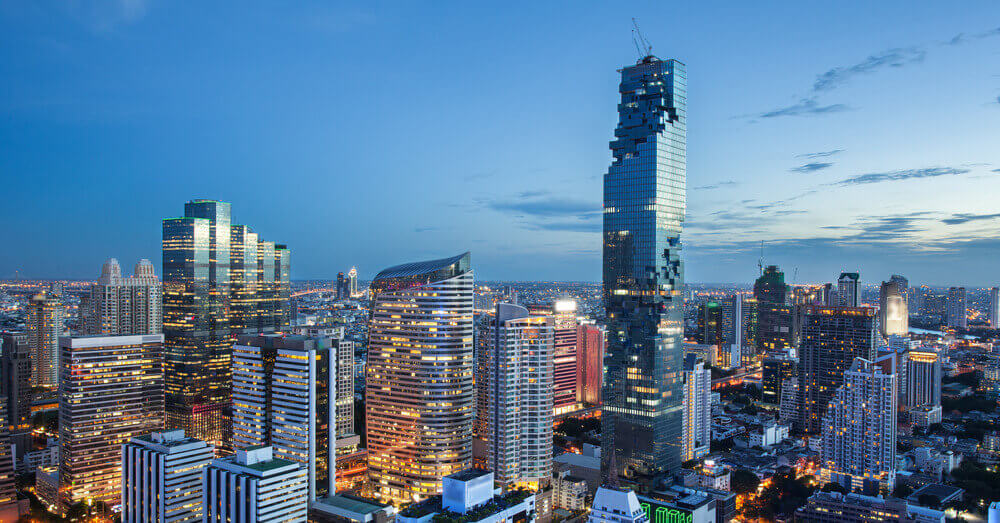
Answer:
(638, 38)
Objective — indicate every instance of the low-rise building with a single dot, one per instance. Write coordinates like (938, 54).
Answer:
(42, 458)
(569, 492)
(834, 507)
(253, 486)
(612, 505)
(469, 497)
(714, 476)
(47, 488)
(925, 415)
(350, 509)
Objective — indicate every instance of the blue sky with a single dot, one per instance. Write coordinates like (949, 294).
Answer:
(844, 135)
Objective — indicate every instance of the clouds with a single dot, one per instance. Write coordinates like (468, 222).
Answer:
(898, 57)
(960, 218)
(805, 107)
(539, 211)
(715, 185)
(811, 167)
(900, 175)
(821, 154)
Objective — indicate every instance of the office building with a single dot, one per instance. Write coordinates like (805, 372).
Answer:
(518, 382)
(219, 280)
(590, 363)
(564, 356)
(697, 429)
(834, 507)
(468, 496)
(775, 370)
(347, 508)
(859, 428)
(15, 388)
(993, 307)
(341, 286)
(253, 486)
(9, 510)
(352, 283)
(284, 397)
(922, 378)
(118, 306)
(44, 325)
(111, 391)
(957, 306)
(778, 328)
(770, 287)
(832, 337)
(162, 476)
(419, 395)
(848, 289)
(893, 312)
(644, 202)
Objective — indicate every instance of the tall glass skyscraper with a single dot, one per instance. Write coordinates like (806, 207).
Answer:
(644, 201)
(219, 281)
(419, 394)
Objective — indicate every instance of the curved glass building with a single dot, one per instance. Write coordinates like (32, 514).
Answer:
(419, 395)
(644, 200)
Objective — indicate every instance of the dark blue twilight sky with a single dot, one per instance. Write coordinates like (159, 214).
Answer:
(846, 135)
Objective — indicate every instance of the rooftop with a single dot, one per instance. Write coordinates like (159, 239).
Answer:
(423, 267)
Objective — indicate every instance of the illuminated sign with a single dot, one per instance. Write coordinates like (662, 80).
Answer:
(657, 513)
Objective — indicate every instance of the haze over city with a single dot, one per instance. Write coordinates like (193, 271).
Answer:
(850, 137)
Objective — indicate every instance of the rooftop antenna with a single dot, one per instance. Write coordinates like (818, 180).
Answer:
(642, 40)
(760, 261)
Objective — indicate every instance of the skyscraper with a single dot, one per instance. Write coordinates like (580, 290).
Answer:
(697, 409)
(352, 283)
(993, 307)
(893, 315)
(770, 287)
(219, 280)
(111, 391)
(831, 338)
(419, 395)
(162, 478)
(341, 286)
(519, 392)
(848, 289)
(15, 387)
(922, 378)
(777, 328)
(644, 205)
(590, 363)
(859, 428)
(44, 325)
(118, 306)
(956, 307)
(563, 312)
(776, 368)
(284, 396)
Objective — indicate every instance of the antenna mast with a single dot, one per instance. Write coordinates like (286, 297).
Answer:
(760, 261)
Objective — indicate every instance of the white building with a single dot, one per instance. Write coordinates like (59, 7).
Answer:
(465, 492)
(788, 406)
(696, 431)
(518, 380)
(118, 306)
(714, 476)
(616, 506)
(162, 478)
(767, 435)
(859, 428)
(253, 486)
(925, 415)
(922, 378)
(569, 492)
(993, 307)
(284, 391)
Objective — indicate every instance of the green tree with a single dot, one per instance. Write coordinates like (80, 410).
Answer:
(744, 481)
(834, 487)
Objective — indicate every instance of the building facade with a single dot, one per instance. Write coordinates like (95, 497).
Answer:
(284, 396)
(697, 429)
(519, 393)
(859, 428)
(848, 289)
(118, 306)
(893, 311)
(44, 325)
(993, 307)
(957, 306)
(419, 394)
(832, 337)
(922, 378)
(253, 486)
(644, 206)
(15, 387)
(162, 478)
(219, 280)
(590, 363)
(111, 391)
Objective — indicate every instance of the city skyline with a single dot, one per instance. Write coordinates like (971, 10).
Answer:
(775, 154)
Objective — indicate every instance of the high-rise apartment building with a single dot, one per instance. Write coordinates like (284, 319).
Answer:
(345, 387)
(697, 433)
(352, 283)
(119, 306)
(44, 325)
(9, 510)
(518, 382)
(590, 363)
(893, 312)
(859, 428)
(993, 307)
(848, 289)
(111, 391)
(284, 396)
(219, 280)
(644, 203)
(15, 388)
(162, 478)
(341, 286)
(564, 356)
(711, 329)
(832, 337)
(419, 394)
(922, 378)
(253, 486)
(957, 307)
(777, 368)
